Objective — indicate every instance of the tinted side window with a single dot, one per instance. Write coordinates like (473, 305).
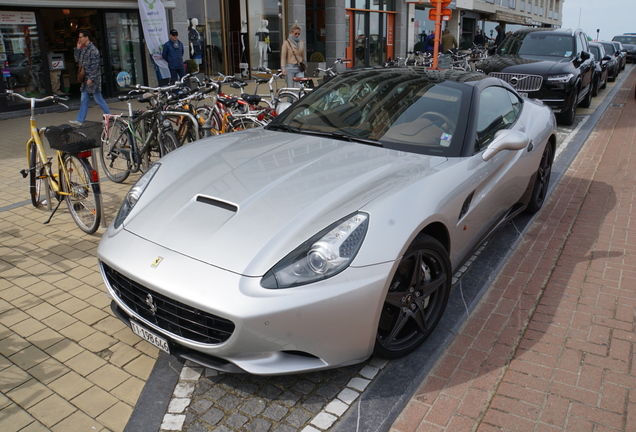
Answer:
(498, 109)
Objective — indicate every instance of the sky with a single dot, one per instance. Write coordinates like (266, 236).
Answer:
(611, 17)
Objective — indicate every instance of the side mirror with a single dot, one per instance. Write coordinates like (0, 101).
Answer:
(607, 58)
(506, 140)
(585, 55)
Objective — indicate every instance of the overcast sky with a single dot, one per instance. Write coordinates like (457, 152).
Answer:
(611, 17)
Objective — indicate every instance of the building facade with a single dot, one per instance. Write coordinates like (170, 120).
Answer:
(233, 37)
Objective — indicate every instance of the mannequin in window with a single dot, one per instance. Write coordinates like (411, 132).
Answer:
(262, 43)
(195, 40)
(244, 59)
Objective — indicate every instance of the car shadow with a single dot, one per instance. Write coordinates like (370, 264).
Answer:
(401, 378)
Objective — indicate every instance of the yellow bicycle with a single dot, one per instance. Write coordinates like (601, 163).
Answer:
(74, 180)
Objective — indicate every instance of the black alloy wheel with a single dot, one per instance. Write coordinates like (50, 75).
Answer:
(542, 181)
(567, 117)
(416, 298)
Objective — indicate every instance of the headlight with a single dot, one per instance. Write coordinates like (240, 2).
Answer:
(324, 255)
(134, 194)
(560, 79)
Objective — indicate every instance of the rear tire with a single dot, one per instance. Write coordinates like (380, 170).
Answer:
(84, 199)
(290, 97)
(242, 123)
(116, 152)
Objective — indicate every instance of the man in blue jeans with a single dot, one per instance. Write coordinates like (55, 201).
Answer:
(87, 55)
(173, 54)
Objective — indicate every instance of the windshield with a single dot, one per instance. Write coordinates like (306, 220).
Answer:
(625, 39)
(538, 44)
(405, 111)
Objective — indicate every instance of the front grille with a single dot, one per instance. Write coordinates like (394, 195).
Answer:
(520, 82)
(168, 314)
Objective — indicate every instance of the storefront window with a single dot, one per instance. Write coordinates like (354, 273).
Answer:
(20, 54)
(266, 33)
(124, 47)
(213, 35)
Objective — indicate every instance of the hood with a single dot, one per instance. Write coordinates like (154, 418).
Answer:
(532, 65)
(244, 201)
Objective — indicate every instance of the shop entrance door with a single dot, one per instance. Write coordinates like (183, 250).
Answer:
(369, 38)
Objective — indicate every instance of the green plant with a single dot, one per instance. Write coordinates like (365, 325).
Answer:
(317, 57)
(191, 66)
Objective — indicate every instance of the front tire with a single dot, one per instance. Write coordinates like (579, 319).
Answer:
(38, 179)
(585, 103)
(416, 298)
(168, 141)
(567, 117)
(84, 197)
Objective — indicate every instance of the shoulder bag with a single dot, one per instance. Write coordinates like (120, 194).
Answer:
(301, 66)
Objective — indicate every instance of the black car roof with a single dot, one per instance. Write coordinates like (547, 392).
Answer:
(548, 30)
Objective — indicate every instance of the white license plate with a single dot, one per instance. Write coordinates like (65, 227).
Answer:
(151, 337)
(523, 94)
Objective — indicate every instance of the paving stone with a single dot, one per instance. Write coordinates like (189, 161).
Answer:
(298, 417)
(236, 420)
(275, 412)
(213, 416)
(253, 407)
(229, 402)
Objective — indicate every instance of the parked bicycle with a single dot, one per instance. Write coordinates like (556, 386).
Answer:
(72, 179)
(133, 142)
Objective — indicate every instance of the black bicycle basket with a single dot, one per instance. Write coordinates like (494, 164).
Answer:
(74, 139)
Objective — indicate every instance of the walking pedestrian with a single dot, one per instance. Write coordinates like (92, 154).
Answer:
(173, 54)
(292, 55)
(448, 41)
(500, 36)
(87, 57)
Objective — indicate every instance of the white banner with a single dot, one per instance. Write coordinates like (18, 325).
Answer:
(153, 21)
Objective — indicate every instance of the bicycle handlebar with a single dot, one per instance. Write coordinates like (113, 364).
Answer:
(55, 98)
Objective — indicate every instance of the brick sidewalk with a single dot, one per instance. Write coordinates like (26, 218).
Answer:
(550, 346)
(66, 363)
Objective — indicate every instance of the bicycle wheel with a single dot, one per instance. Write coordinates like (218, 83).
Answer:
(168, 142)
(287, 96)
(150, 152)
(116, 151)
(84, 200)
(241, 123)
(38, 179)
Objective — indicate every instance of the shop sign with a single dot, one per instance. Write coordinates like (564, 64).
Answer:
(17, 17)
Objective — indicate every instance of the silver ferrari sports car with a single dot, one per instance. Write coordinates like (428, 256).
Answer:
(332, 233)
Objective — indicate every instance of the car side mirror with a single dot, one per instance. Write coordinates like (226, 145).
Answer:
(607, 58)
(585, 55)
(506, 140)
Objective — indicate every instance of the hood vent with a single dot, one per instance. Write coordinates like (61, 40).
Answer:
(220, 204)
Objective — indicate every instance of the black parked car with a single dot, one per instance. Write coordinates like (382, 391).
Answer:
(601, 60)
(613, 66)
(553, 65)
(629, 45)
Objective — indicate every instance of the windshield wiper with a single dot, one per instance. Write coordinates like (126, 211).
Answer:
(282, 127)
(341, 136)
